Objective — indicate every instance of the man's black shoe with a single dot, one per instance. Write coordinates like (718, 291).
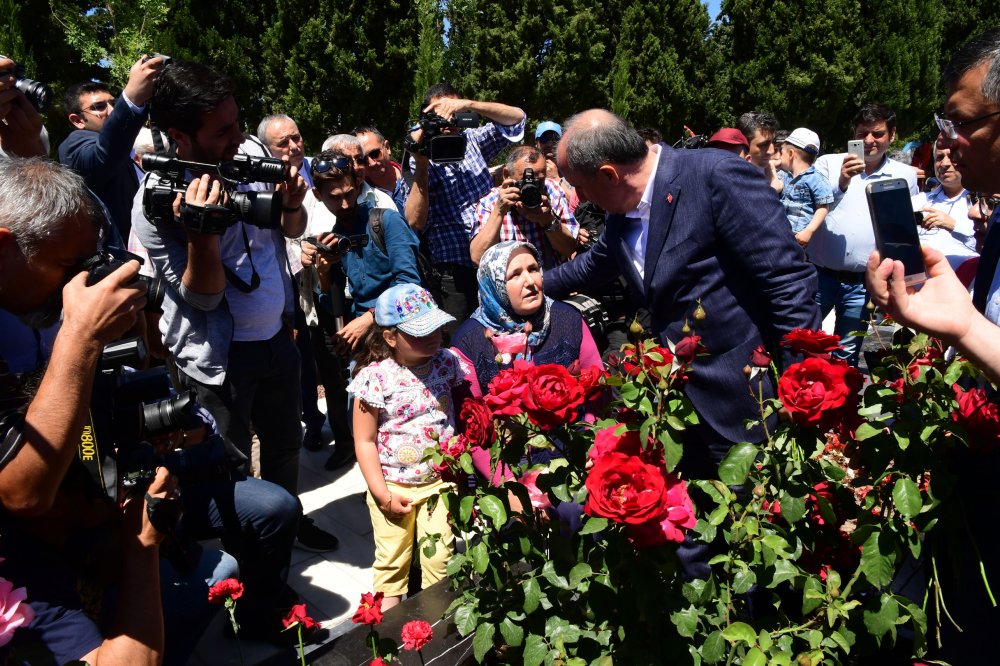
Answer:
(342, 454)
(312, 440)
(314, 539)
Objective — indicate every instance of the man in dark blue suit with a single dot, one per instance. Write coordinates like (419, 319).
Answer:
(690, 226)
(100, 149)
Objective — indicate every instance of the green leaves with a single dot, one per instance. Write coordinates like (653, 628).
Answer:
(492, 507)
(906, 497)
(734, 468)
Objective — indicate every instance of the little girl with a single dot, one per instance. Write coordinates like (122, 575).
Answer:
(404, 405)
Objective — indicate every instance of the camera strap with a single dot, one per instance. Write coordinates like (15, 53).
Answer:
(235, 279)
(101, 468)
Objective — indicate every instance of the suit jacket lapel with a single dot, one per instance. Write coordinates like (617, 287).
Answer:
(661, 212)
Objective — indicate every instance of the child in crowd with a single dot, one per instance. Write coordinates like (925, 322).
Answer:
(805, 194)
(403, 406)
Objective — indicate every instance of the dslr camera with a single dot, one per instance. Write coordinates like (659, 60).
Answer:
(434, 144)
(39, 94)
(261, 209)
(340, 245)
(101, 264)
(129, 409)
(531, 188)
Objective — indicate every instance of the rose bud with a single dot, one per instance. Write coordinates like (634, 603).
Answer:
(747, 370)
(699, 312)
(635, 328)
(686, 329)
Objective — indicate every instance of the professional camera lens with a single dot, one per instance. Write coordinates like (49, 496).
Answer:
(261, 209)
(168, 414)
(39, 94)
(531, 191)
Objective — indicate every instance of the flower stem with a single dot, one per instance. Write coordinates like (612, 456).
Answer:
(302, 651)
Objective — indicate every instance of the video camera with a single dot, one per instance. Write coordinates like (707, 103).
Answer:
(129, 409)
(531, 188)
(39, 94)
(103, 263)
(434, 144)
(261, 209)
(340, 245)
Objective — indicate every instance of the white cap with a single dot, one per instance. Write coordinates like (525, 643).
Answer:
(806, 139)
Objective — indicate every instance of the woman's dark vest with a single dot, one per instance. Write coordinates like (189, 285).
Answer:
(561, 345)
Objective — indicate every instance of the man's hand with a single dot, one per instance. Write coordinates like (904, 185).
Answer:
(138, 526)
(541, 216)
(20, 123)
(142, 80)
(942, 306)
(312, 256)
(353, 332)
(551, 169)
(510, 196)
(447, 107)
(103, 312)
(936, 219)
(293, 189)
(851, 167)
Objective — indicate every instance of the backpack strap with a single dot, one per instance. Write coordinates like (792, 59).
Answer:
(376, 231)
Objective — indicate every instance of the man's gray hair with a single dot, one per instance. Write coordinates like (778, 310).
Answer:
(522, 154)
(589, 145)
(266, 125)
(983, 48)
(38, 196)
(339, 142)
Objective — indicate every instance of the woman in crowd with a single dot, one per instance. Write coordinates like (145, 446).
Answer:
(945, 224)
(516, 321)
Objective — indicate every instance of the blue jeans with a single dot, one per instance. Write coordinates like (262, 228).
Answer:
(849, 300)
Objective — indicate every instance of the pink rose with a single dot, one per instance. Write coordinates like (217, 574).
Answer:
(677, 517)
(539, 498)
(416, 634)
(510, 343)
(14, 612)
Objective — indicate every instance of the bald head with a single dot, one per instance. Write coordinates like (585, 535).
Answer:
(606, 159)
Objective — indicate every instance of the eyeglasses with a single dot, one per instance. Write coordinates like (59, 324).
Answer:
(987, 204)
(319, 167)
(375, 154)
(100, 107)
(948, 127)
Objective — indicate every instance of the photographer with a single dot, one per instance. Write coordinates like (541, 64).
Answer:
(228, 293)
(52, 514)
(100, 147)
(370, 260)
(527, 207)
(21, 128)
(443, 197)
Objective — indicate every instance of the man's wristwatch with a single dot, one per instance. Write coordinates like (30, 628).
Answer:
(553, 224)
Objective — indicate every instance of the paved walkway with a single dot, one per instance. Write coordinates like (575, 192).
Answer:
(331, 584)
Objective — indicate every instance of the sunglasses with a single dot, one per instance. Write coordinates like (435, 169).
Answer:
(948, 127)
(100, 107)
(374, 154)
(987, 204)
(320, 167)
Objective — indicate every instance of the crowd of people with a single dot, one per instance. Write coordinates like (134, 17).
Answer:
(399, 288)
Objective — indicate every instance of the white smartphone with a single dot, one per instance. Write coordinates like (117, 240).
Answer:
(856, 148)
(896, 227)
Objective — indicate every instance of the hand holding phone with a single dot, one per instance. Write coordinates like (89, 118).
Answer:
(856, 147)
(895, 227)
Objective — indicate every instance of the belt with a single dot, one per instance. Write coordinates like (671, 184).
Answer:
(844, 277)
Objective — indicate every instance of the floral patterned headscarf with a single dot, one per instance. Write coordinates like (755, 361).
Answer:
(495, 311)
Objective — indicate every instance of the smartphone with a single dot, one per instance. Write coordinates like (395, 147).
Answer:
(856, 148)
(895, 227)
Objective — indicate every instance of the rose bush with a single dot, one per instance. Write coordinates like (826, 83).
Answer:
(806, 527)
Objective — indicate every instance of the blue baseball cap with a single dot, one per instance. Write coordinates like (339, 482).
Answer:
(411, 309)
(548, 126)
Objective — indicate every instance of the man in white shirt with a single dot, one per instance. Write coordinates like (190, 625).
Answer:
(840, 248)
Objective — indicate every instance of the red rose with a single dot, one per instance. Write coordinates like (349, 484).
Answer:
(297, 615)
(416, 634)
(478, 420)
(455, 446)
(607, 441)
(688, 348)
(625, 489)
(811, 343)
(928, 360)
(590, 382)
(820, 392)
(980, 418)
(678, 515)
(377, 661)
(553, 396)
(655, 360)
(507, 389)
(229, 588)
(370, 609)
(760, 358)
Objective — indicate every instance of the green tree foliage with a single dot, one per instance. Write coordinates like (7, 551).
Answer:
(430, 51)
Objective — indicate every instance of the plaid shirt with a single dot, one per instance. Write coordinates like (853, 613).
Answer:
(517, 227)
(454, 190)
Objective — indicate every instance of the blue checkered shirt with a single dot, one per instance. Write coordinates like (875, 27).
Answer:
(517, 227)
(455, 189)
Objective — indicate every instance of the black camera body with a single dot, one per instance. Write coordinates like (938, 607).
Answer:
(531, 188)
(436, 146)
(261, 209)
(39, 94)
(340, 245)
(105, 262)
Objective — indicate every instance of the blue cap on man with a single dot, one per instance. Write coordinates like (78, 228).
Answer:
(548, 126)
